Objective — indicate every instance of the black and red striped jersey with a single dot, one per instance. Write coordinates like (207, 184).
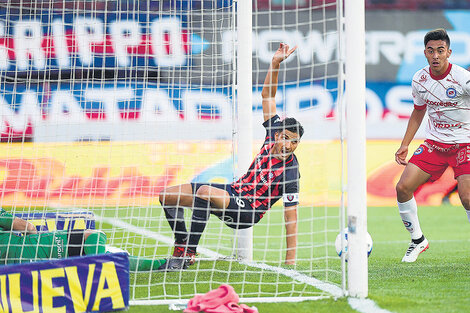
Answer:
(268, 179)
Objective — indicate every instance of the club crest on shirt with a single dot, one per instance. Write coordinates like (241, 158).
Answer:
(419, 151)
(451, 92)
(423, 78)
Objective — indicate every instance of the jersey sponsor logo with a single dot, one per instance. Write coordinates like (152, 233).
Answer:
(441, 103)
(431, 147)
(59, 242)
(468, 81)
(290, 197)
(267, 177)
(451, 92)
(422, 91)
(446, 125)
(419, 151)
(263, 179)
(259, 161)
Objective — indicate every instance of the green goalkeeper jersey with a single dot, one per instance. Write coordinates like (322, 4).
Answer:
(17, 248)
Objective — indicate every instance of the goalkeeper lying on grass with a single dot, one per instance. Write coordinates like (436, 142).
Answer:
(34, 246)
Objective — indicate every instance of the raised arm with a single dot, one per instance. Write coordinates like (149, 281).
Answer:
(270, 82)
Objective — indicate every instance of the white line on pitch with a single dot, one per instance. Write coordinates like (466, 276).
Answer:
(365, 306)
(393, 242)
(153, 235)
(361, 305)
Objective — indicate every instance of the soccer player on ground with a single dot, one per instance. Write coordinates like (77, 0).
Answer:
(32, 246)
(443, 90)
(273, 174)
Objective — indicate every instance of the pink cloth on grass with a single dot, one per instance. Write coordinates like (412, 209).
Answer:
(221, 300)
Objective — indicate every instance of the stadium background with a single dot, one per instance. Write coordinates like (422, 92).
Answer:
(127, 122)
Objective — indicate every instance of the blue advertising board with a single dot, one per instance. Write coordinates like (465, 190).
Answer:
(98, 283)
(51, 221)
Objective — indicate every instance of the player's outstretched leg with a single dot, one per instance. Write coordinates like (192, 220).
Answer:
(417, 246)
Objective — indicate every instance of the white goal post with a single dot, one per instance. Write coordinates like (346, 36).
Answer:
(354, 25)
(356, 139)
(244, 98)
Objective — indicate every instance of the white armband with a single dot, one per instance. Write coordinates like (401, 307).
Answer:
(290, 198)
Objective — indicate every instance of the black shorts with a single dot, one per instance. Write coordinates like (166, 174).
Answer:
(239, 214)
(75, 243)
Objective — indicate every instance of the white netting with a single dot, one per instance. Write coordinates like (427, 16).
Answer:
(104, 103)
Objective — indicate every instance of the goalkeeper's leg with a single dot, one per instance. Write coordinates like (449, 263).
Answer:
(95, 243)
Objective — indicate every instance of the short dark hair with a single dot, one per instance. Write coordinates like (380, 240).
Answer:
(437, 34)
(292, 125)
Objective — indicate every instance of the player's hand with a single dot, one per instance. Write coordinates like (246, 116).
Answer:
(400, 155)
(31, 229)
(283, 52)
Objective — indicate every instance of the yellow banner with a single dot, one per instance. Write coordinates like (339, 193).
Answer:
(95, 283)
(133, 174)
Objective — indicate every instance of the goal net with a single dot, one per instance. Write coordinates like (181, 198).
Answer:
(106, 103)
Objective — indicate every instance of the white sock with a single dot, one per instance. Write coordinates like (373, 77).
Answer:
(468, 214)
(409, 216)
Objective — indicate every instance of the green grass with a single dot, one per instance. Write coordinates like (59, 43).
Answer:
(437, 282)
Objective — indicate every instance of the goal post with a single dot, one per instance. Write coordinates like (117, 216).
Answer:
(356, 157)
(244, 101)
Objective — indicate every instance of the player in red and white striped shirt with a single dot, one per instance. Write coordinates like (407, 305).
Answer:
(273, 174)
(442, 90)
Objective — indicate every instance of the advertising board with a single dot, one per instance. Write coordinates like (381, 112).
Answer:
(96, 175)
(194, 96)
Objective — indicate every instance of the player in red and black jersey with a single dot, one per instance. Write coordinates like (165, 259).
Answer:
(273, 174)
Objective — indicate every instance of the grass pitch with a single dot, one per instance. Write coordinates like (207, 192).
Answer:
(437, 282)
